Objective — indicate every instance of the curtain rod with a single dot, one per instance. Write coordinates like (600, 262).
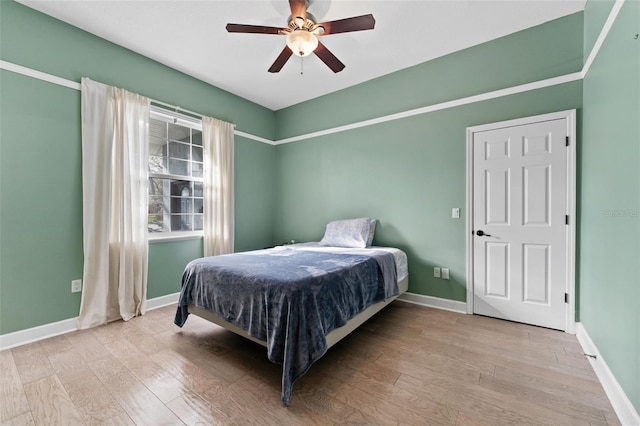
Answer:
(176, 108)
(180, 110)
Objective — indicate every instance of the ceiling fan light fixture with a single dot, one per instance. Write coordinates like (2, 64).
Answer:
(302, 42)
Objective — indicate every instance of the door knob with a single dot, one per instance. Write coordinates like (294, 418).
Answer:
(480, 233)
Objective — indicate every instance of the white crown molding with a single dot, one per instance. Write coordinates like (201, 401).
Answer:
(30, 72)
(49, 78)
(567, 78)
(254, 137)
(613, 14)
(443, 105)
(623, 407)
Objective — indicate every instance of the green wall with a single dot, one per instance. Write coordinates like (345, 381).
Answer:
(40, 163)
(409, 173)
(541, 52)
(610, 197)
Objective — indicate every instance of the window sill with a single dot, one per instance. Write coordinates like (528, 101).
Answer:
(174, 236)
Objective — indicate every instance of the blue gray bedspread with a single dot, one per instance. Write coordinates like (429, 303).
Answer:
(290, 299)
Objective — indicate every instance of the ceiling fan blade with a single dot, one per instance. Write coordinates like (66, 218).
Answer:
(328, 58)
(253, 29)
(281, 60)
(357, 23)
(298, 9)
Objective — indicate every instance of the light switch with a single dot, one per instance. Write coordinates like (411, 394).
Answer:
(436, 272)
(455, 213)
(445, 273)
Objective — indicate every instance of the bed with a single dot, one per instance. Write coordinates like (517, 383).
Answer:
(296, 300)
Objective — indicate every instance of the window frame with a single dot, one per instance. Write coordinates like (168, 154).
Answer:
(161, 114)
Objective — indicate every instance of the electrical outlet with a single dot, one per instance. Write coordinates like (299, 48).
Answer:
(436, 272)
(455, 213)
(445, 273)
(76, 286)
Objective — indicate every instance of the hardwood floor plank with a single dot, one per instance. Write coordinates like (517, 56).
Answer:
(424, 365)
(481, 403)
(513, 352)
(563, 385)
(142, 340)
(390, 409)
(419, 342)
(13, 401)
(346, 362)
(466, 419)
(192, 377)
(168, 310)
(482, 324)
(32, 362)
(408, 365)
(193, 410)
(322, 409)
(154, 322)
(351, 387)
(92, 399)
(253, 395)
(50, 404)
(55, 345)
(111, 331)
(219, 399)
(207, 359)
(134, 397)
(24, 419)
(86, 345)
(568, 406)
(162, 383)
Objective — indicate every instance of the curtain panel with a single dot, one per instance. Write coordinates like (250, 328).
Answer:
(218, 218)
(115, 143)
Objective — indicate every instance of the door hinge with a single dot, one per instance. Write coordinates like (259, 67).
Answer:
(566, 298)
(566, 219)
(566, 139)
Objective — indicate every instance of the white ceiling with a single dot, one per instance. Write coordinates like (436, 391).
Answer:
(190, 36)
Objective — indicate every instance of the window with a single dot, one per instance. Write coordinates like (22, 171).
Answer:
(175, 174)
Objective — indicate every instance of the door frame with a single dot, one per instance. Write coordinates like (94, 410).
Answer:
(570, 117)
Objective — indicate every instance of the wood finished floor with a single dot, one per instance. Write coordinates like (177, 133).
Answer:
(409, 365)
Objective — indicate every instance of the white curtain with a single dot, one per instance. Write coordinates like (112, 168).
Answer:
(218, 224)
(115, 133)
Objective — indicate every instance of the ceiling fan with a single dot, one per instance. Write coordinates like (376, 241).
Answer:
(303, 32)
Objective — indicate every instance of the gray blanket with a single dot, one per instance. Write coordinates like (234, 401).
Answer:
(288, 298)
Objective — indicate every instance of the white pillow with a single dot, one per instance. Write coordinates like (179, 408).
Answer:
(372, 231)
(347, 233)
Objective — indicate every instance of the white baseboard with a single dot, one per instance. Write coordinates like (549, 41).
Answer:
(434, 302)
(30, 335)
(159, 302)
(45, 331)
(623, 407)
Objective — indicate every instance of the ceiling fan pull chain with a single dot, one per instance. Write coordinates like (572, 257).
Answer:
(301, 65)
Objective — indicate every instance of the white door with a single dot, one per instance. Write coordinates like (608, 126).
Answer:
(519, 240)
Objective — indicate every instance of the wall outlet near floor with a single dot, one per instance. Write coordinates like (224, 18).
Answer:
(445, 273)
(436, 272)
(76, 286)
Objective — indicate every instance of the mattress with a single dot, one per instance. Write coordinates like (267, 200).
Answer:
(293, 296)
